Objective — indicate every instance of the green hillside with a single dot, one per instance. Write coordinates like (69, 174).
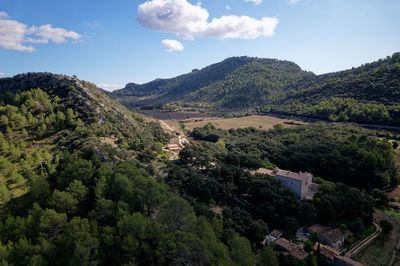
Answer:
(77, 186)
(237, 82)
(369, 94)
(43, 116)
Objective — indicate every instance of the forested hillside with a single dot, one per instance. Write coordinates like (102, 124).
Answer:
(44, 115)
(237, 82)
(76, 187)
(366, 94)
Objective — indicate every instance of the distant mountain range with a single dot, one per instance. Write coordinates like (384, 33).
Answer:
(369, 93)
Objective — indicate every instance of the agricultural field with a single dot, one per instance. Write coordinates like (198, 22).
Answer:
(258, 121)
(191, 120)
(173, 115)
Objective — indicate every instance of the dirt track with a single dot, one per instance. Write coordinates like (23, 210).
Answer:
(364, 242)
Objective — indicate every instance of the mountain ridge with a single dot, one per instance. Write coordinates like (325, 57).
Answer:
(279, 86)
(188, 85)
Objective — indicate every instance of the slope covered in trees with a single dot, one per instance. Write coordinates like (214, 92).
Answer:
(237, 82)
(43, 115)
(367, 94)
(78, 186)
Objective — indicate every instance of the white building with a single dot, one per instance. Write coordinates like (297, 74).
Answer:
(299, 183)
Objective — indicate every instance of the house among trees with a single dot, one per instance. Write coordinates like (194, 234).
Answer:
(290, 248)
(273, 236)
(173, 147)
(328, 252)
(300, 183)
(332, 237)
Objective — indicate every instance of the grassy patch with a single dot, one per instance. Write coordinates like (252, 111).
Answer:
(392, 213)
(369, 230)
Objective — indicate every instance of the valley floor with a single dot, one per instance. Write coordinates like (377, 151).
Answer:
(191, 120)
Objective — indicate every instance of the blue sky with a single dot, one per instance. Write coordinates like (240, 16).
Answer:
(115, 42)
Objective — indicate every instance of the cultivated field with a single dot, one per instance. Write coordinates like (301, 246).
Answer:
(192, 120)
(173, 115)
(258, 121)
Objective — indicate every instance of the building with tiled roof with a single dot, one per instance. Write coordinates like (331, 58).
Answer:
(299, 183)
(327, 251)
(290, 248)
(332, 237)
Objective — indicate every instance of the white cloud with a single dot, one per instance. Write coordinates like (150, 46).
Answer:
(12, 35)
(293, 2)
(17, 36)
(244, 27)
(47, 33)
(256, 2)
(3, 14)
(188, 21)
(2, 74)
(228, 7)
(172, 45)
(109, 87)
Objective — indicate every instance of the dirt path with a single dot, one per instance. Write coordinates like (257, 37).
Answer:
(165, 126)
(364, 242)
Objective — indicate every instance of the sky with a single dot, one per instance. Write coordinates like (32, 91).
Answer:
(111, 43)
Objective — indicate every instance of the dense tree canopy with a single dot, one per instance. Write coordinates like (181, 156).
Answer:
(338, 152)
